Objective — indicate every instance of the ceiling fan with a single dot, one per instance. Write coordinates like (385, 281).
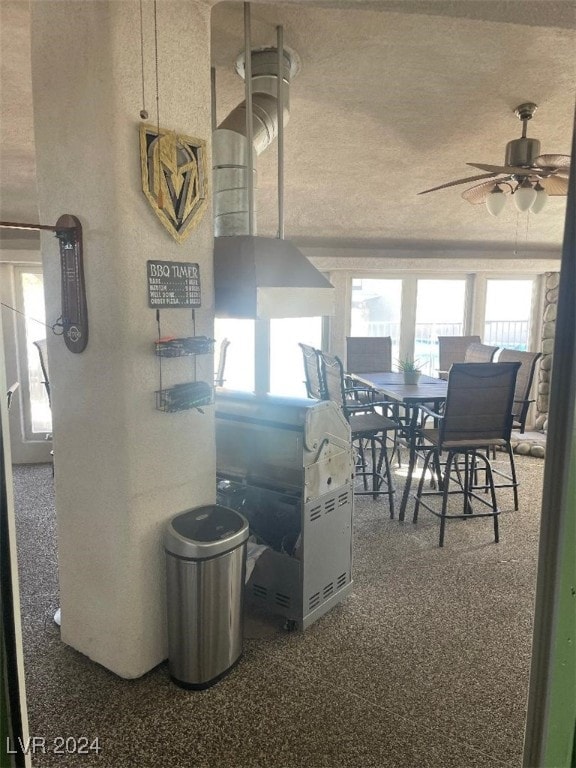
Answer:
(526, 174)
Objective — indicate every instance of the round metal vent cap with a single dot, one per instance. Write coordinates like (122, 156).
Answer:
(265, 62)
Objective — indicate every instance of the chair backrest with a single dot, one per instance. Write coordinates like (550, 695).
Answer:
(334, 379)
(365, 354)
(480, 353)
(479, 402)
(452, 349)
(312, 372)
(524, 380)
(219, 375)
(42, 348)
(11, 391)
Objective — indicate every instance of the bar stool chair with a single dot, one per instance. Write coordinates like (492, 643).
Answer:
(480, 353)
(477, 415)
(365, 354)
(312, 372)
(452, 349)
(369, 430)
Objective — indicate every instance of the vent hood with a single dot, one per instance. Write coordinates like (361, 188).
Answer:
(258, 277)
(265, 277)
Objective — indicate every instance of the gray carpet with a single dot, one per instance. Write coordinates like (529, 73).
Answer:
(425, 665)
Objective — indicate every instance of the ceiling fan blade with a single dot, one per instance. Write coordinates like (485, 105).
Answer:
(480, 192)
(557, 161)
(555, 185)
(509, 170)
(559, 164)
(458, 181)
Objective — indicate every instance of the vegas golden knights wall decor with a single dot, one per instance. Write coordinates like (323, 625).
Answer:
(174, 178)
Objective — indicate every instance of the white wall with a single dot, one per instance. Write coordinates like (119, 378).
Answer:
(122, 469)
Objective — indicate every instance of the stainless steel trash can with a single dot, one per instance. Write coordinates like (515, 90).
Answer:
(205, 568)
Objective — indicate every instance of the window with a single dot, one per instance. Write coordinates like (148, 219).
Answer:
(508, 309)
(286, 366)
(414, 310)
(239, 371)
(439, 312)
(286, 363)
(376, 310)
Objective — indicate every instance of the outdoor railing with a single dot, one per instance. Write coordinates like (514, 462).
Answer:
(512, 334)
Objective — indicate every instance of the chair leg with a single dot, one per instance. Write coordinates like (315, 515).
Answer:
(384, 459)
(362, 463)
(446, 483)
(460, 468)
(436, 477)
(510, 453)
(396, 439)
(490, 483)
(496, 533)
(373, 461)
(470, 471)
(429, 455)
(490, 488)
(375, 468)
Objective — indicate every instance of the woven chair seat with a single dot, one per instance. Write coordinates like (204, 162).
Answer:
(371, 423)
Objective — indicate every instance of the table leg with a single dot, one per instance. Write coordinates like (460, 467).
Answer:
(412, 432)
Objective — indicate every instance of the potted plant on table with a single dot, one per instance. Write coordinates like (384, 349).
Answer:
(411, 370)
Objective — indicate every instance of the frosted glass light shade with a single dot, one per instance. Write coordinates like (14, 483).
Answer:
(541, 197)
(496, 201)
(524, 196)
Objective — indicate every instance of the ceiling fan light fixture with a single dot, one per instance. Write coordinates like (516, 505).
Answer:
(523, 167)
(541, 198)
(524, 196)
(496, 201)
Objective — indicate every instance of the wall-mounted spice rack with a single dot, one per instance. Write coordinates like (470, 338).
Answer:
(189, 394)
(183, 397)
(169, 346)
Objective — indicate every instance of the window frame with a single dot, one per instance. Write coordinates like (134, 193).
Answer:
(474, 300)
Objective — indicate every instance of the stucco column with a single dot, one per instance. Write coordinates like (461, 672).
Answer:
(122, 468)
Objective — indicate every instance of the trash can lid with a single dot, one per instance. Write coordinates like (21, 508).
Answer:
(205, 532)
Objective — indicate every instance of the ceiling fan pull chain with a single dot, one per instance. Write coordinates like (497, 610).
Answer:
(143, 111)
(516, 235)
(160, 198)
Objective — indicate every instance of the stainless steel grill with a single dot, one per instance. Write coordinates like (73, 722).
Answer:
(287, 465)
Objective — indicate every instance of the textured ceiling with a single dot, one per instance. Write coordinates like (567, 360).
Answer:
(393, 97)
(389, 103)
(18, 196)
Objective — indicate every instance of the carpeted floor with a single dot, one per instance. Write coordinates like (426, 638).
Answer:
(425, 665)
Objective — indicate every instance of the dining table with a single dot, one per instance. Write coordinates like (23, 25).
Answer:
(428, 390)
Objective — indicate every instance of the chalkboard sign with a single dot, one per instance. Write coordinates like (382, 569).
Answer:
(173, 284)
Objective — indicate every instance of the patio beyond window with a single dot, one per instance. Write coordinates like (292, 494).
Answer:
(414, 311)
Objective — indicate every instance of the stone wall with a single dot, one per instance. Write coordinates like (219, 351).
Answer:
(548, 333)
(536, 446)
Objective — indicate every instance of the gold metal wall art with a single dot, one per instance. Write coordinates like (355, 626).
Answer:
(174, 178)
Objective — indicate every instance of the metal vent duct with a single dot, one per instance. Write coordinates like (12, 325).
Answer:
(230, 142)
(258, 277)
